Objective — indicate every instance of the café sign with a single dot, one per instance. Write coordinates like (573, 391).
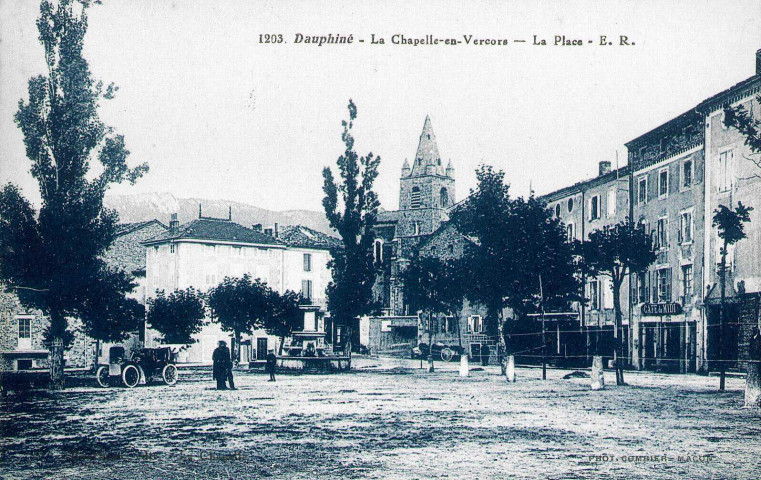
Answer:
(659, 309)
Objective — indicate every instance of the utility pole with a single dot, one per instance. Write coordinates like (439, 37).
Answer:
(544, 342)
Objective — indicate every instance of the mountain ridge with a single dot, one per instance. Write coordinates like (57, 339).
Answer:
(140, 207)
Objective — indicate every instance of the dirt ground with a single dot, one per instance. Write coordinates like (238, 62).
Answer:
(388, 419)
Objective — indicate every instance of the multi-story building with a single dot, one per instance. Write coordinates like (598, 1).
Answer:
(583, 208)
(667, 198)
(733, 175)
(202, 252)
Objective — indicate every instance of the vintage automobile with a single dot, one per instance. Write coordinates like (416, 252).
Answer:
(146, 364)
(447, 353)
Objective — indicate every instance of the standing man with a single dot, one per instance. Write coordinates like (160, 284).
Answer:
(271, 365)
(222, 366)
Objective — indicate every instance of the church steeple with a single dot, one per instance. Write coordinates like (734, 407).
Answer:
(406, 169)
(450, 169)
(427, 160)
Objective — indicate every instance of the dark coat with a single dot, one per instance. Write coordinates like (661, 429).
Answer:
(271, 363)
(222, 362)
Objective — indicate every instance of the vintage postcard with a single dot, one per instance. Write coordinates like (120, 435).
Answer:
(335, 239)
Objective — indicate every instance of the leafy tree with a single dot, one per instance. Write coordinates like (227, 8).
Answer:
(240, 305)
(434, 286)
(740, 118)
(516, 242)
(177, 317)
(286, 316)
(351, 208)
(59, 265)
(616, 252)
(731, 230)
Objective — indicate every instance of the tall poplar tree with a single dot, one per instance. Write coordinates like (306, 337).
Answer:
(53, 258)
(351, 207)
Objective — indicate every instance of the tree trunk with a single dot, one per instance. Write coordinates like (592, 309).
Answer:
(56, 364)
(722, 365)
(502, 343)
(97, 356)
(617, 334)
(236, 348)
(280, 350)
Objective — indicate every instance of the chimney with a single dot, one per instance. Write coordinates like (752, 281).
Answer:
(199, 210)
(604, 168)
(174, 224)
(230, 212)
(257, 227)
(276, 231)
(758, 61)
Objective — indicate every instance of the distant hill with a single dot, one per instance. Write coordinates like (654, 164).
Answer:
(147, 206)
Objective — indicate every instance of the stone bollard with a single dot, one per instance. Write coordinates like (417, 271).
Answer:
(430, 363)
(510, 370)
(464, 365)
(598, 378)
(753, 385)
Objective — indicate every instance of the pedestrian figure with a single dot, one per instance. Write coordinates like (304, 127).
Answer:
(222, 366)
(484, 354)
(271, 365)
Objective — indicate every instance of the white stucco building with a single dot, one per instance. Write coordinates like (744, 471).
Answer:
(202, 252)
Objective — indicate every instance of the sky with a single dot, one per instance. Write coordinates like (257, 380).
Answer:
(219, 115)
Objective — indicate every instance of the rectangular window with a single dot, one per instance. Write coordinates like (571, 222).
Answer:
(663, 183)
(661, 233)
(172, 248)
(686, 282)
(642, 289)
(474, 324)
(687, 174)
(24, 333)
(726, 171)
(569, 232)
(642, 190)
(24, 327)
(685, 227)
(238, 251)
(663, 279)
(307, 262)
(306, 289)
(594, 207)
(611, 202)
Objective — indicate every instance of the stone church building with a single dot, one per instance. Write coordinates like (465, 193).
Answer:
(421, 225)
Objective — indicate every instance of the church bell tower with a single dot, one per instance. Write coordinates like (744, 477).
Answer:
(427, 188)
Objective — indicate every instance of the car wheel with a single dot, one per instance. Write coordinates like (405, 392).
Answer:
(447, 354)
(102, 376)
(130, 376)
(169, 374)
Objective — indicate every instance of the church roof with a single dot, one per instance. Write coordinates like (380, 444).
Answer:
(427, 153)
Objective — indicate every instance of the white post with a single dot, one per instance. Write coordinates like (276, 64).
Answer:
(430, 363)
(510, 370)
(753, 385)
(464, 365)
(598, 379)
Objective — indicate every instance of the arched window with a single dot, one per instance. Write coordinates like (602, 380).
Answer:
(570, 205)
(378, 251)
(415, 198)
(444, 197)
(557, 211)
(416, 228)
